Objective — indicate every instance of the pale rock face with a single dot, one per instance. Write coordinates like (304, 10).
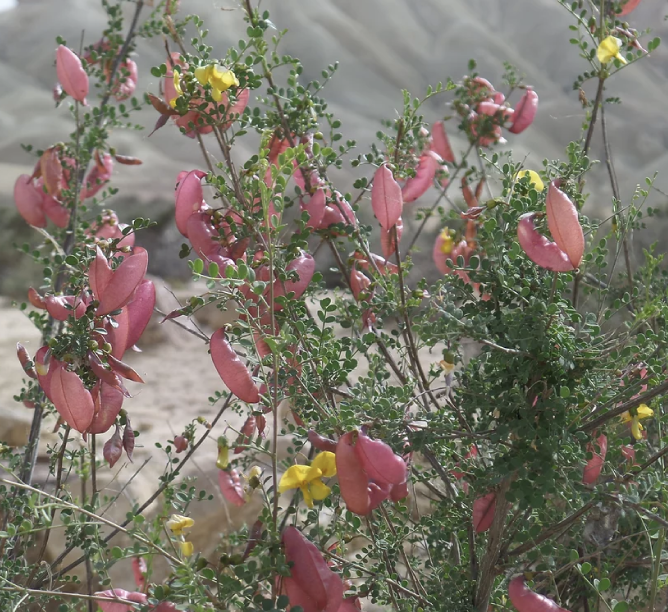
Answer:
(382, 46)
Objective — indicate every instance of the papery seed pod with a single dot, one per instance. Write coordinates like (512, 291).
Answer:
(248, 429)
(564, 224)
(389, 241)
(525, 600)
(70, 397)
(593, 468)
(628, 6)
(440, 143)
(26, 362)
(189, 198)
(359, 283)
(71, 75)
(304, 266)
(321, 443)
(483, 512)
(51, 171)
(417, 186)
(525, 112)
(231, 487)
(353, 480)
(254, 535)
(123, 282)
(315, 207)
(312, 584)
(386, 198)
(36, 299)
(113, 448)
(180, 443)
(28, 201)
(539, 249)
(123, 369)
(128, 439)
(111, 606)
(231, 369)
(62, 307)
(379, 461)
(108, 402)
(139, 570)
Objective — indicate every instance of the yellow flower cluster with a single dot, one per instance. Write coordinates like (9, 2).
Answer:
(177, 524)
(641, 412)
(218, 77)
(448, 242)
(609, 50)
(534, 179)
(307, 478)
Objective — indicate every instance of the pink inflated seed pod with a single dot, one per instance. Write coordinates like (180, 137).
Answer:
(231, 369)
(70, 397)
(353, 481)
(539, 249)
(189, 198)
(483, 512)
(379, 461)
(28, 200)
(71, 75)
(440, 143)
(113, 448)
(525, 600)
(122, 284)
(386, 198)
(231, 487)
(525, 112)
(628, 6)
(564, 224)
(594, 466)
(425, 172)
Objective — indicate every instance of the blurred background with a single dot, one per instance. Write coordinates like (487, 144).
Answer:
(382, 46)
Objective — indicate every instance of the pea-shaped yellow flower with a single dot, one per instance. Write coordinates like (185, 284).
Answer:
(177, 523)
(534, 179)
(641, 412)
(177, 87)
(609, 50)
(187, 548)
(307, 478)
(220, 79)
(447, 242)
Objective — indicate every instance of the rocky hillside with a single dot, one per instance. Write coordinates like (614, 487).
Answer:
(382, 46)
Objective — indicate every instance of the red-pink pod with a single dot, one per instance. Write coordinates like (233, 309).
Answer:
(276, 147)
(189, 198)
(388, 243)
(71, 75)
(440, 144)
(320, 442)
(481, 85)
(262, 348)
(112, 606)
(350, 604)
(564, 224)
(315, 207)
(203, 236)
(139, 570)
(310, 572)
(378, 493)
(125, 280)
(36, 299)
(231, 369)
(128, 439)
(62, 307)
(344, 209)
(128, 72)
(353, 480)
(123, 369)
(70, 397)
(492, 109)
(593, 468)
(525, 112)
(99, 274)
(425, 172)
(399, 492)
(379, 461)
(248, 429)
(498, 97)
(113, 448)
(358, 283)
(383, 266)
(525, 600)
(25, 361)
(629, 453)
(98, 176)
(180, 443)
(44, 367)
(55, 211)
(108, 401)
(304, 266)
(233, 112)
(117, 335)
(483, 512)
(386, 198)
(105, 375)
(51, 171)
(628, 6)
(261, 424)
(139, 312)
(28, 200)
(539, 249)
(231, 487)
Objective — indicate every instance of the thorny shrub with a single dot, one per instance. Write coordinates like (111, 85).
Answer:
(526, 471)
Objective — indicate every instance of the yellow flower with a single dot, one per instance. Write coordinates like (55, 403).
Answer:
(218, 77)
(448, 242)
(534, 179)
(177, 87)
(307, 478)
(609, 50)
(641, 412)
(187, 548)
(178, 523)
(223, 459)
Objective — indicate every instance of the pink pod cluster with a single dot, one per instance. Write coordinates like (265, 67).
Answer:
(526, 600)
(369, 472)
(125, 292)
(312, 584)
(483, 512)
(566, 252)
(98, 176)
(35, 205)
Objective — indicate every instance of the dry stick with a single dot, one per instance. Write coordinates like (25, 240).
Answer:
(615, 194)
(487, 573)
(194, 332)
(145, 505)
